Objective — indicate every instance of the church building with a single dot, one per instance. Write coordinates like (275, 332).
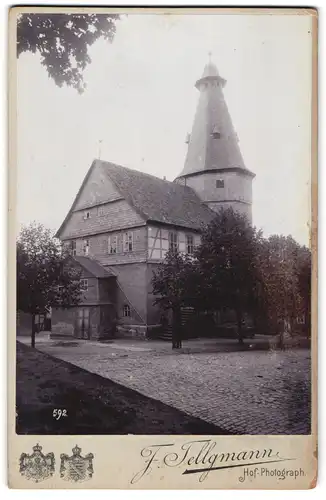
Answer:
(122, 222)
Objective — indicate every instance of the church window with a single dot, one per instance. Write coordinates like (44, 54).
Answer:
(112, 244)
(73, 249)
(128, 242)
(190, 244)
(87, 215)
(173, 241)
(100, 211)
(126, 311)
(220, 183)
(84, 285)
(86, 247)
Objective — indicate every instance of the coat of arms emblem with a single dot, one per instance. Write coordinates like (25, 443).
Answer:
(37, 466)
(76, 468)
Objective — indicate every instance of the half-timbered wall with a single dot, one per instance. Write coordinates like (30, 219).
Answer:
(159, 241)
(99, 247)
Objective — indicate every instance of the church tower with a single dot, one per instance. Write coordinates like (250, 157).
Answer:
(214, 166)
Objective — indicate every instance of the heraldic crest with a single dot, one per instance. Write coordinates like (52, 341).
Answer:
(76, 468)
(37, 466)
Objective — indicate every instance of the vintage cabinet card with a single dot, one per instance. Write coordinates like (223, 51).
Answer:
(163, 204)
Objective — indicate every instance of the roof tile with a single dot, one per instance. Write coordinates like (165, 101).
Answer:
(159, 200)
(93, 267)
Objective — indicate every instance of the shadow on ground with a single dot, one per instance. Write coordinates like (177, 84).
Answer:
(94, 405)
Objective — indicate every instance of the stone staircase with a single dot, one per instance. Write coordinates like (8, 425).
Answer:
(166, 334)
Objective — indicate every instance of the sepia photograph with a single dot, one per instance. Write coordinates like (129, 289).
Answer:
(163, 194)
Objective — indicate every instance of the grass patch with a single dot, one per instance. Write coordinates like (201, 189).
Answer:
(95, 405)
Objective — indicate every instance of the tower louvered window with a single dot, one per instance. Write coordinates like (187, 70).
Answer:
(216, 133)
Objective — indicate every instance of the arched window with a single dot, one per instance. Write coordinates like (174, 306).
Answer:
(126, 311)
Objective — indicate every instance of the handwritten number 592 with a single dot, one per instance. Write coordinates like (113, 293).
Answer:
(57, 413)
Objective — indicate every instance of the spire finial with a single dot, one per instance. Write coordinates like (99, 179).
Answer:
(210, 56)
(99, 148)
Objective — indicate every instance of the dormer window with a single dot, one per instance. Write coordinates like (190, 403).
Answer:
(220, 183)
(216, 134)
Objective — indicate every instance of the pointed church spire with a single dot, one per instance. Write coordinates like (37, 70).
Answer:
(213, 142)
(214, 167)
(210, 74)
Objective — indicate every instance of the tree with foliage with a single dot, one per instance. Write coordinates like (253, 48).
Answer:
(228, 266)
(285, 271)
(62, 41)
(304, 283)
(46, 276)
(172, 284)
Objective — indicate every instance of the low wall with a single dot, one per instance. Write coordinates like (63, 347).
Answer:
(63, 323)
(131, 331)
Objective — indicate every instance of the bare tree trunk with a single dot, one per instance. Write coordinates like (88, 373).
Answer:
(179, 329)
(282, 335)
(281, 339)
(307, 318)
(33, 331)
(176, 328)
(239, 323)
(174, 340)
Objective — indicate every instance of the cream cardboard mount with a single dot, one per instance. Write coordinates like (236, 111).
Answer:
(111, 351)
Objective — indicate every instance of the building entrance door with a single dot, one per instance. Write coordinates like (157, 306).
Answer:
(83, 323)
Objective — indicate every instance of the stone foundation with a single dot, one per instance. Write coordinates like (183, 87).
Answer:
(62, 329)
(132, 331)
(61, 336)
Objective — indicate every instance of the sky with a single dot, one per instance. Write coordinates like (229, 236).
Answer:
(140, 102)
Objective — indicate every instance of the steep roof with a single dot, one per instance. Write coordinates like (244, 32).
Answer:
(155, 199)
(213, 142)
(93, 267)
(159, 200)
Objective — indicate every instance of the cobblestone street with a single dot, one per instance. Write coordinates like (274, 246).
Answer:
(250, 392)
